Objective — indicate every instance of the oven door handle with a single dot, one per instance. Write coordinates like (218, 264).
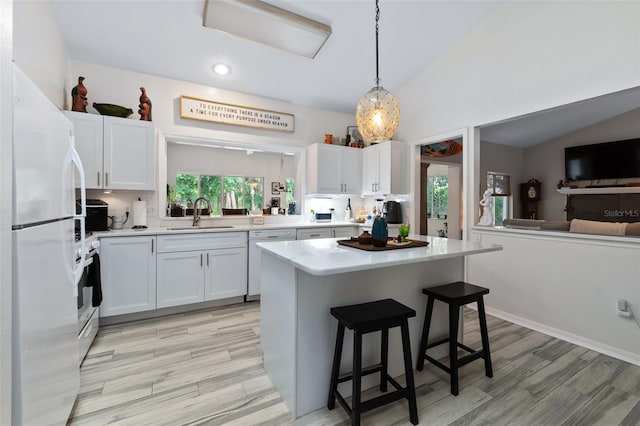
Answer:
(88, 261)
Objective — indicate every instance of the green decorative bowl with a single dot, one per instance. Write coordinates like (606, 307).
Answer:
(113, 110)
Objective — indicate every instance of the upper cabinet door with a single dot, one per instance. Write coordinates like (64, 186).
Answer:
(352, 171)
(129, 154)
(333, 169)
(384, 168)
(87, 130)
(370, 169)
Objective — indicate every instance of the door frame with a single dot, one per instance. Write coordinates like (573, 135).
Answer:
(470, 166)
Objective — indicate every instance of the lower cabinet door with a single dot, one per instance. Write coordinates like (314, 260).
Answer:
(180, 278)
(128, 270)
(226, 273)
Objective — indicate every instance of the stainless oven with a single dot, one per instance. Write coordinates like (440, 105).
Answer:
(88, 315)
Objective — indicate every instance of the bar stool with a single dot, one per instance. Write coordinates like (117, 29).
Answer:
(455, 295)
(366, 318)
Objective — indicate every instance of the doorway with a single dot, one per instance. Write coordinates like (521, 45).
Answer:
(440, 198)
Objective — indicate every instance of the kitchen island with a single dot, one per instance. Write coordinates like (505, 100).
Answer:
(302, 280)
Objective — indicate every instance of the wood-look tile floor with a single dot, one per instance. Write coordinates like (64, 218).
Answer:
(205, 367)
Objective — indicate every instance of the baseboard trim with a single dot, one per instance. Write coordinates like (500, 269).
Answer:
(593, 345)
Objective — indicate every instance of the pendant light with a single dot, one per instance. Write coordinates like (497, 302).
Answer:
(378, 111)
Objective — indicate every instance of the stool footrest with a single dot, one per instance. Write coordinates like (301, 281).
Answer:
(374, 368)
(438, 343)
(438, 363)
(471, 357)
(381, 400)
(378, 401)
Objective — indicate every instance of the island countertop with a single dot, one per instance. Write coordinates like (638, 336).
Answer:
(325, 257)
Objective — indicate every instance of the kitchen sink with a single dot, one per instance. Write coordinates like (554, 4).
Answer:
(184, 228)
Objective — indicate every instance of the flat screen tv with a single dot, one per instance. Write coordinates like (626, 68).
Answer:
(610, 160)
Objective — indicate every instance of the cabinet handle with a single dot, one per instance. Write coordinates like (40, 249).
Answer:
(98, 173)
(151, 245)
(106, 179)
(201, 264)
(207, 259)
(314, 235)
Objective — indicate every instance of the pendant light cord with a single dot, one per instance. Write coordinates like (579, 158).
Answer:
(377, 28)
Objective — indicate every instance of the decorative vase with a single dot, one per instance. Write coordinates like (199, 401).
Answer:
(380, 232)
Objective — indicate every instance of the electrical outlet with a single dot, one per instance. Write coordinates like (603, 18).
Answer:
(126, 209)
(622, 305)
(623, 308)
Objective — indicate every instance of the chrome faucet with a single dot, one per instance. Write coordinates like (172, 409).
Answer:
(196, 210)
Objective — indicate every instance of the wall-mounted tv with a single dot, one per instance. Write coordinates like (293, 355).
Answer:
(610, 160)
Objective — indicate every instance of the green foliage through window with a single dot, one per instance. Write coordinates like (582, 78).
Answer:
(437, 197)
(236, 192)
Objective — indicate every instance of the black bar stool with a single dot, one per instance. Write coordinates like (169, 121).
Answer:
(366, 318)
(456, 295)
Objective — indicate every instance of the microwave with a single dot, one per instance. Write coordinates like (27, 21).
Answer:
(96, 219)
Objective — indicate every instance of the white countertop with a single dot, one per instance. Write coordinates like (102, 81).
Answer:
(325, 257)
(208, 225)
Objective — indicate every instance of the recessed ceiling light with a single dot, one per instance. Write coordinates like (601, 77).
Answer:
(221, 69)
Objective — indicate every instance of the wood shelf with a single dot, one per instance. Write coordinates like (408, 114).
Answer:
(610, 190)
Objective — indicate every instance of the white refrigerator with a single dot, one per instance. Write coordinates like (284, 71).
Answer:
(45, 373)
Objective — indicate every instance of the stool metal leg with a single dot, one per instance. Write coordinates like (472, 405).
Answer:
(425, 334)
(408, 371)
(357, 378)
(454, 313)
(384, 359)
(485, 338)
(335, 370)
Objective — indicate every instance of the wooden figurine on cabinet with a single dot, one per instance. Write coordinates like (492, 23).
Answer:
(530, 194)
(145, 106)
(79, 100)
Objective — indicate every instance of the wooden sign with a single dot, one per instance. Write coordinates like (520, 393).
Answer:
(219, 112)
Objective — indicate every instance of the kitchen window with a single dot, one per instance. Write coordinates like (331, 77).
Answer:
(234, 192)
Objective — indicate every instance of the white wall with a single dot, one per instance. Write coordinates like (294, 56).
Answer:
(526, 57)
(545, 161)
(6, 119)
(39, 51)
(121, 87)
(565, 286)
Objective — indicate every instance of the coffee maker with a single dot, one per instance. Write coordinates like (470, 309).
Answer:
(392, 212)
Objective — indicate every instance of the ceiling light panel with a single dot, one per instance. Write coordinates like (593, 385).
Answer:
(267, 24)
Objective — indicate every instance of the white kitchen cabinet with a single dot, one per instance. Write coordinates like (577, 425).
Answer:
(180, 277)
(345, 231)
(333, 169)
(117, 153)
(195, 268)
(128, 271)
(328, 232)
(311, 233)
(225, 273)
(384, 169)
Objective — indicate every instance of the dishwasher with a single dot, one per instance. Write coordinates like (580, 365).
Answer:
(253, 291)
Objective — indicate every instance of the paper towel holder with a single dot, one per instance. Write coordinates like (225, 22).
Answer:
(140, 226)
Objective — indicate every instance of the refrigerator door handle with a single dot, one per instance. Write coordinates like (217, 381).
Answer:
(75, 160)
